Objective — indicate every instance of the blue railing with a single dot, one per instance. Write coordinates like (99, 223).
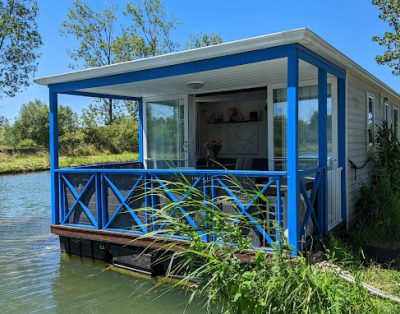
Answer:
(125, 200)
(313, 194)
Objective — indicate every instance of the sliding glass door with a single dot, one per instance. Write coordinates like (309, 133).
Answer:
(166, 132)
(307, 127)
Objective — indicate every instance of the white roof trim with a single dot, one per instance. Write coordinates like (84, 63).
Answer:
(302, 36)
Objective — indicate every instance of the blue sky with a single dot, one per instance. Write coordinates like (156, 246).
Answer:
(347, 25)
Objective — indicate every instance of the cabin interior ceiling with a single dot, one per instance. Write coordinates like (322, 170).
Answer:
(232, 78)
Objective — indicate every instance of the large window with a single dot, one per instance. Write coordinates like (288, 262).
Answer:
(165, 134)
(370, 121)
(307, 126)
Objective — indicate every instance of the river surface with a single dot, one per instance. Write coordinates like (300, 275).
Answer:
(36, 278)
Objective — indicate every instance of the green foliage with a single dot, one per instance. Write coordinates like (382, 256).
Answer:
(26, 143)
(94, 30)
(19, 43)
(33, 123)
(151, 24)
(390, 13)
(120, 137)
(4, 131)
(102, 42)
(31, 129)
(203, 40)
(379, 205)
(233, 276)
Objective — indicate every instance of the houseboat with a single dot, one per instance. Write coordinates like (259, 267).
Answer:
(287, 112)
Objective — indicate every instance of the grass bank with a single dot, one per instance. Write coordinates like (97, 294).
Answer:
(350, 257)
(10, 164)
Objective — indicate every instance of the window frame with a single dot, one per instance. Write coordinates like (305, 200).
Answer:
(185, 99)
(396, 123)
(371, 145)
(312, 82)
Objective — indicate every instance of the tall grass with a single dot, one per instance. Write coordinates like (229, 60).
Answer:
(378, 216)
(231, 274)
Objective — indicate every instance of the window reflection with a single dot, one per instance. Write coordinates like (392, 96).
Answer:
(165, 134)
(307, 126)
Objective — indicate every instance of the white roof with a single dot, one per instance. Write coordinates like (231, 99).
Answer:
(301, 36)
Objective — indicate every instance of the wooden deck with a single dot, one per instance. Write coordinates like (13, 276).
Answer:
(121, 238)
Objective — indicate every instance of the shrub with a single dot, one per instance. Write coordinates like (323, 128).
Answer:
(119, 137)
(27, 143)
(378, 215)
(69, 142)
(85, 150)
(233, 276)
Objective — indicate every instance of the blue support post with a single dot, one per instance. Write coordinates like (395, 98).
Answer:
(103, 195)
(140, 129)
(99, 200)
(54, 181)
(292, 153)
(342, 142)
(322, 149)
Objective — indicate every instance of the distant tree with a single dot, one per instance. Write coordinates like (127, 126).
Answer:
(32, 123)
(151, 24)
(202, 40)
(19, 43)
(3, 120)
(390, 13)
(96, 35)
(4, 130)
(102, 42)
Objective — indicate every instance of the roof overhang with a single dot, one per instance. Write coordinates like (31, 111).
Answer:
(301, 36)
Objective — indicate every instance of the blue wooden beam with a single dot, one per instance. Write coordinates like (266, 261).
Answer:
(54, 181)
(323, 148)
(292, 154)
(178, 69)
(311, 57)
(140, 129)
(342, 142)
(97, 95)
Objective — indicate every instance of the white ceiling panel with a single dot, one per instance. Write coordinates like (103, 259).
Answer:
(232, 78)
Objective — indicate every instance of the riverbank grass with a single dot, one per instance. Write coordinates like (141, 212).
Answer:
(10, 164)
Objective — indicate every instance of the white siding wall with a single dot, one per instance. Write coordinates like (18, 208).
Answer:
(357, 134)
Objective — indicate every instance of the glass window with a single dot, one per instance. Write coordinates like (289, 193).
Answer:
(371, 121)
(279, 127)
(165, 134)
(396, 121)
(307, 126)
(387, 112)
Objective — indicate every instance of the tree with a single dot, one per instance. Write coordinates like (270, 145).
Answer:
(101, 42)
(33, 123)
(3, 120)
(96, 35)
(19, 41)
(202, 40)
(151, 25)
(390, 13)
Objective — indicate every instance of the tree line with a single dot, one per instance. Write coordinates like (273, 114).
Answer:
(77, 135)
(103, 36)
(140, 29)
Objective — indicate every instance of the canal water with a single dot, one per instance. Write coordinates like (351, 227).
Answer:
(36, 278)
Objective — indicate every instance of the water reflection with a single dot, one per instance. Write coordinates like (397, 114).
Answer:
(35, 277)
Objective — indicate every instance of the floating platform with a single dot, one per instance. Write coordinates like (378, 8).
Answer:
(119, 249)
